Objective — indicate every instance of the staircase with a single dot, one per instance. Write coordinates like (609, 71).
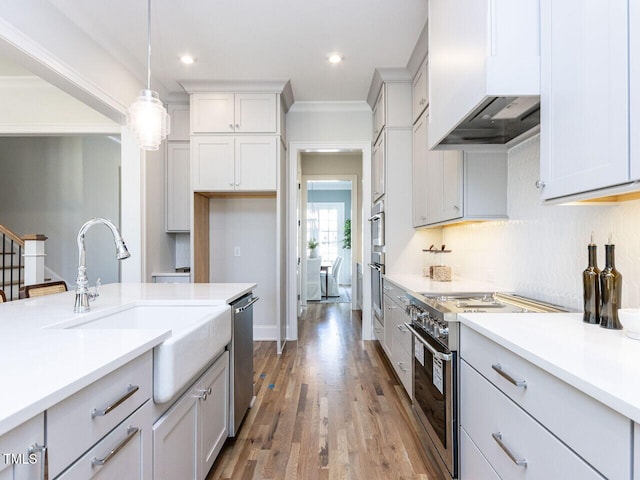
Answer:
(11, 263)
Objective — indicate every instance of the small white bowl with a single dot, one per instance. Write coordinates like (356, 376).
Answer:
(630, 319)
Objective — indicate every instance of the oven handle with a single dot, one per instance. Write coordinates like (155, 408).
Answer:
(445, 357)
(377, 267)
(375, 217)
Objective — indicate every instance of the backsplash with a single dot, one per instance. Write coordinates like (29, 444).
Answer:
(541, 250)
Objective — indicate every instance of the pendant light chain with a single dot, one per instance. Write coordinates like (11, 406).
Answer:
(149, 44)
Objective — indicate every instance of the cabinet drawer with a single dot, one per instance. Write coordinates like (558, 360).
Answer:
(473, 466)
(72, 425)
(395, 293)
(378, 330)
(402, 360)
(571, 415)
(126, 452)
(489, 417)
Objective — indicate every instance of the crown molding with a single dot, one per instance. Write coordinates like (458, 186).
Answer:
(388, 75)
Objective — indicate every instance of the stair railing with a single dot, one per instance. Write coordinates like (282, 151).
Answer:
(12, 247)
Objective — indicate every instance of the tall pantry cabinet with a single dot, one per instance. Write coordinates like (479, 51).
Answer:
(237, 141)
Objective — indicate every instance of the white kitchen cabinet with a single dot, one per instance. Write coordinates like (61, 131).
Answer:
(178, 186)
(234, 113)
(189, 436)
(419, 171)
(572, 417)
(124, 453)
(21, 457)
(634, 89)
(81, 420)
(584, 141)
(378, 169)
(379, 115)
(397, 337)
(180, 129)
(420, 91)
(513, 443)
(222, 163)
(466, 186)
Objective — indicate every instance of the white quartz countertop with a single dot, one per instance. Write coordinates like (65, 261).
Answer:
(42, 365)
(420, 284)
(604, 364)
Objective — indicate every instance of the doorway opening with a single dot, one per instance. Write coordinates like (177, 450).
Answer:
(330, 232)
(313, 215)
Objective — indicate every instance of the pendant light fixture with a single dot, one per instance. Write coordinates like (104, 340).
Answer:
(147, 117)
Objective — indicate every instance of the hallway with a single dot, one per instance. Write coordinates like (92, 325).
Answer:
(328, 408)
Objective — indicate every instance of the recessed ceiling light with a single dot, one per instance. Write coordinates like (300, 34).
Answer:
(187, 59)
(335, 58)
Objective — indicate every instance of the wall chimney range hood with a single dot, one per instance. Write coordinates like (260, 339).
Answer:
(484, 69)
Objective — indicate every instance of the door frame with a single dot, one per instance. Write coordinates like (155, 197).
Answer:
(355, 227)
(293, 246)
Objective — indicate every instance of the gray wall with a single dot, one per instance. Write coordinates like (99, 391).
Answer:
(52, 185)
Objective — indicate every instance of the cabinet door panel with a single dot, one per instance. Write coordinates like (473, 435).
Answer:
(255, 113)
(584, 96)
(378, 169)
(212, 113)
(434, 186)
(420, 91)
(634, 92)
(175, 453)
(256, 163)
(419, 172)
(213, 413)
(212, 163)
(452, 179)
(18, 442)
(178, 187)
(180, 124)
(379, 114)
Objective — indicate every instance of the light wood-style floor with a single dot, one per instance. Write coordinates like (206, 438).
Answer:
(327, 408)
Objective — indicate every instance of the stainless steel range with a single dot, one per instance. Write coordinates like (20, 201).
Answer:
(435, 361)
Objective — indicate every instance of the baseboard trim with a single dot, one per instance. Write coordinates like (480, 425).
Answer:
(263, 333)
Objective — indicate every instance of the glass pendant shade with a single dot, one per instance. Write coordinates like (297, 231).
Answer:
(148, 120)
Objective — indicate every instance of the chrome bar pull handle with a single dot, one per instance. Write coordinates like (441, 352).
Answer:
(518, 383)
(131, 390)
(131, 432)
(519, 462)
(242, 309)
(44, 455)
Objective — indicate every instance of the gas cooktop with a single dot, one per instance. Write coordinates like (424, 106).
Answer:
(489, 302)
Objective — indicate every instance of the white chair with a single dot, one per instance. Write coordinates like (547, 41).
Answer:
(333, 284)
(313, 278)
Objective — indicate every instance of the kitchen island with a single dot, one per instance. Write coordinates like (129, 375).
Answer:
(47, 364)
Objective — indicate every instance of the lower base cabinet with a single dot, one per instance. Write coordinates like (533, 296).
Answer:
(123, 453)
(188, 437)
(21, 459)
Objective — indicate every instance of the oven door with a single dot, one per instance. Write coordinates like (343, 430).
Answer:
(377, 229)
(376, 290)
(435, 396)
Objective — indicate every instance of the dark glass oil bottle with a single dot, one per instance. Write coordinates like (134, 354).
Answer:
(611, 291)
(591, 288)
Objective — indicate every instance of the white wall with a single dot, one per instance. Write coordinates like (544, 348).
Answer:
(250, 225)
(541, 250)
(52, 185)
(329, 122)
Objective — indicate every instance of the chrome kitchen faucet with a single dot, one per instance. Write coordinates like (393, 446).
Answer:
(83, 296)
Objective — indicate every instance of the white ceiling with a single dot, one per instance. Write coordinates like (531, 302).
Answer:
(257, 40)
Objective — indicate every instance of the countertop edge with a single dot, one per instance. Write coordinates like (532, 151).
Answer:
(29, 411)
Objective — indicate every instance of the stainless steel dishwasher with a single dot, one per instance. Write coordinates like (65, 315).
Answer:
(241, 353)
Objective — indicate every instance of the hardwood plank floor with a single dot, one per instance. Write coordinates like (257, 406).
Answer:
(328, 408)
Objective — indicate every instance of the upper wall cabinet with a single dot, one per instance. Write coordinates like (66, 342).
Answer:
(466, 186)
(234, 113)
(484, 71)
(178, 187)
(585, 97)
(420, 90)
(392, 108)
(180, 129)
